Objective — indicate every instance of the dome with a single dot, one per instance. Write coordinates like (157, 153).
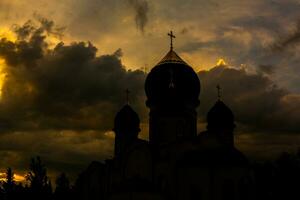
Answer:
(220, 116)
(172, 81)
(127, 121)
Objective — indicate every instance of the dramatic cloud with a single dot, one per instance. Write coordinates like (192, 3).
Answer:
(69, 87)
(58, 99)
(67, 151)
(287, 41)
(267, 116)
(268, 69)
(60, 102)
(256, 101)
(141, 8)
(66, 87)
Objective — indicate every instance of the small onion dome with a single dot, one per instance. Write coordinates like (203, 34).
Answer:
(220, 117)
(127, 121)
(172, 81)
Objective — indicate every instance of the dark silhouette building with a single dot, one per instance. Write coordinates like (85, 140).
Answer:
(176, 162)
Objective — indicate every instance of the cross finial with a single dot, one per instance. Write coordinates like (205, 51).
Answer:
(219, 91)
(171, 38)
(127, 96)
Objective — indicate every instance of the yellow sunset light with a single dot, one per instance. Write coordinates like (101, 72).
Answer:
(17, 177)
(8, 34)
(52, 41)
(221, 62)
(2, 75)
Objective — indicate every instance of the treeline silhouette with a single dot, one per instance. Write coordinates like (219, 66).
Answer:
(38, 185)
(278, 179)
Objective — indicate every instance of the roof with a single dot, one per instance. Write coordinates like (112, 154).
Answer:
(171, 57)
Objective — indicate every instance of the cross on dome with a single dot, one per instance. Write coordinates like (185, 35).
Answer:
(171, 38)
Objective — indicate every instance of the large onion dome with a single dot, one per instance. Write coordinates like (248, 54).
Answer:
(172, 82)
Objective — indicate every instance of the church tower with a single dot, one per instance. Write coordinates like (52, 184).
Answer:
(126, 128)
(172, 88)
(220, 122)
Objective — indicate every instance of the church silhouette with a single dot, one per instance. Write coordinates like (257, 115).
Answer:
(176, 163)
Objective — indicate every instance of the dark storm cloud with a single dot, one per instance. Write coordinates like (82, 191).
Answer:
(231, 44)
(289, 40)
(31, 43)
(257, 23)
(29, 28)
(49, 27)
(68, 151)
(289, 9)
(108, 18)
(257, 102)
(64, 97)
(141, 8)
(268, 69)
(72, 87)
(245, 38)
(67, 87)
(266, 42)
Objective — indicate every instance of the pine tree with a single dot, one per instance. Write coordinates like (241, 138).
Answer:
(39, 183)
(63, 189)
(10, 182)
(9, 185)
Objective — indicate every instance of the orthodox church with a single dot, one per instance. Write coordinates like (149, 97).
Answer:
(177, 162)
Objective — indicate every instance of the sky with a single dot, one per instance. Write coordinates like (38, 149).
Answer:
(65, 66)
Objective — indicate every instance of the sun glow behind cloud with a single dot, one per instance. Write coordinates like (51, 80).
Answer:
(17, 177)
(2, 75)
(221, 62)
(7, 34)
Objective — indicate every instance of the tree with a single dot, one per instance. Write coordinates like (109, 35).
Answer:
(39, 183)
(10, 189)
(63, 189)
(10, 177)
(9, 185)
(10, 182)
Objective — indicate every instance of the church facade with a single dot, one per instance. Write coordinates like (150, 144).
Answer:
(177, 162)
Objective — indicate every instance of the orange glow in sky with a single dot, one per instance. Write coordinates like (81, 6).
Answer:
(221, 62)
(8, 34)
(2, 75)
(17, 177)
